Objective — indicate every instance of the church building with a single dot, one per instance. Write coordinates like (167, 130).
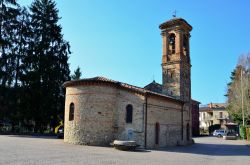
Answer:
(99, 110)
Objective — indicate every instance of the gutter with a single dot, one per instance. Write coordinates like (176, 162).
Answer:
(146, 120)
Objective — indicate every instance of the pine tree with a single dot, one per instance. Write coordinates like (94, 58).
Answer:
(47, 63)
(33, 64)
(23, 37)
(9, 11)
(77, 74)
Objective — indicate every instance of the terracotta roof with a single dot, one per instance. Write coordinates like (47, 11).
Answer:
(174, 22)
(208, 109)
(154, 87)
(118, 84)
(214, 107)
(205, 109)
(153, 83)
(98, 78)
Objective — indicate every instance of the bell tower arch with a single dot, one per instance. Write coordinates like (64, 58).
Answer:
(176, 67)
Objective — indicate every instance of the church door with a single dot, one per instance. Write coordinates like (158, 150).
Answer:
(188, 132)
(157, 132)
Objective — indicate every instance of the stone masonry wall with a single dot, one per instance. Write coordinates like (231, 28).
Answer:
(94, 115)
(100, 117)
(168, 115)
(100, 113)
(137, 126)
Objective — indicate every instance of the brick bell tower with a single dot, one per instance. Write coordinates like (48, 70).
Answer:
(176, 67)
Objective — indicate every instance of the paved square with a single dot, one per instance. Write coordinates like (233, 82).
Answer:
(27, 150)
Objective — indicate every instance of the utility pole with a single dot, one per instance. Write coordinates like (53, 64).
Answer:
(243, 115)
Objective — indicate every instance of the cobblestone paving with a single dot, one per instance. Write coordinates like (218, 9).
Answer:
(26, 150)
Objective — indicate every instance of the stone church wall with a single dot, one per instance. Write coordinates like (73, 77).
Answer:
(100, 117)
(94, 114)
(168, 115)
(137, 126)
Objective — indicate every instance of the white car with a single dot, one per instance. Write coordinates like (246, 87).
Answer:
(219, 132)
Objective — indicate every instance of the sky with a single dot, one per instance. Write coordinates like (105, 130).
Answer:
(120, 39)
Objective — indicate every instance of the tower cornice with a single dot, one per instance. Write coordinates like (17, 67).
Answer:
(174, 23)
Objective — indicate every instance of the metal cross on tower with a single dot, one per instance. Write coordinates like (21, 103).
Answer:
(174, 13)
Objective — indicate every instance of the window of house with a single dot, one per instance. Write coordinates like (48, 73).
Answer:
(171, 43)
(221, 114)
(71, 111)
(129, 113)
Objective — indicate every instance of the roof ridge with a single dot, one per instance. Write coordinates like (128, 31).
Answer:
(100, 78)
(121, 84)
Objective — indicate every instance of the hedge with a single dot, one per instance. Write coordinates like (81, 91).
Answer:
(242, 131)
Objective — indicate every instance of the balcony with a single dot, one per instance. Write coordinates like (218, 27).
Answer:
(219, 117)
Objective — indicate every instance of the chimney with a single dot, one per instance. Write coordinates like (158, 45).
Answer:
(210, 105)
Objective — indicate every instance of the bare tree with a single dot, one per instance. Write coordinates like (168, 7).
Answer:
(239, 90)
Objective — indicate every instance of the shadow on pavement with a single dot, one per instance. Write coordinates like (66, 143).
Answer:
(34, 136)
(212, 149)
(137, 150)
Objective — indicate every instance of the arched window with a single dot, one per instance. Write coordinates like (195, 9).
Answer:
(171, 43)
(172, 74)
(129, 113)
(185, 45)
(71, 111)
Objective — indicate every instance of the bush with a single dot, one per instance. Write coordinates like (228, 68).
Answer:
(242, 131)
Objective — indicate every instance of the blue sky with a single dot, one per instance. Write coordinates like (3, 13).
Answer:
(120, 39)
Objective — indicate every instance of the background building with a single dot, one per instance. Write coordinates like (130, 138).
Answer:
(213, 113)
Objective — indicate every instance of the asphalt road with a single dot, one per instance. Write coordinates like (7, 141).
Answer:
(26, 150)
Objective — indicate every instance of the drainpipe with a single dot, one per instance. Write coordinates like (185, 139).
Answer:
(182, 107)
(146, 119)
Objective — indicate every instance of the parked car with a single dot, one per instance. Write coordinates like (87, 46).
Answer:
(219, 132)
(231, 135)
(60, 133)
